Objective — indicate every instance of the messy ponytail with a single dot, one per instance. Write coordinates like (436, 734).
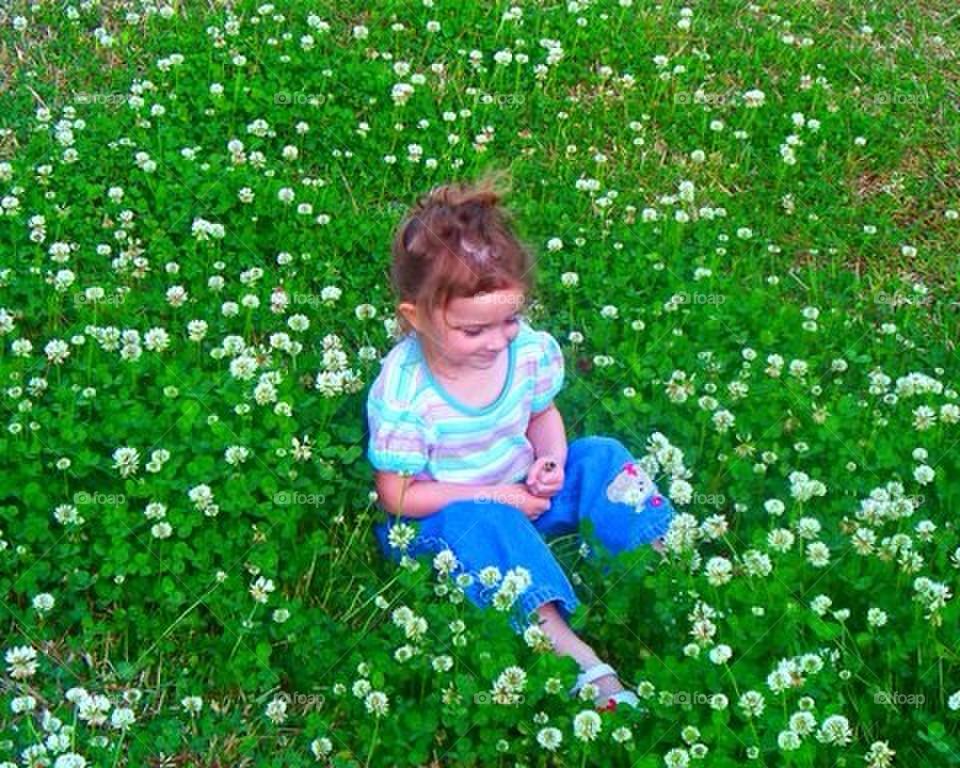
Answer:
(457, 241)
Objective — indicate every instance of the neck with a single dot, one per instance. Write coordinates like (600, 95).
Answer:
(438, 365)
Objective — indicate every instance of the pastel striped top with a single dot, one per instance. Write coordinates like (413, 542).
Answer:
(419, 428)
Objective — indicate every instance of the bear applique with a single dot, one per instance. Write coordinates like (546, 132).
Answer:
(631, 486)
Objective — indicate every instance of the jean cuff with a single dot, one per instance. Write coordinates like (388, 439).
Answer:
(532, 599)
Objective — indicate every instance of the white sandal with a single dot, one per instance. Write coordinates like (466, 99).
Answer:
(595, 673)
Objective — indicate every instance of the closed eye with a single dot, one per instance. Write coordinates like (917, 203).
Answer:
(473, 332)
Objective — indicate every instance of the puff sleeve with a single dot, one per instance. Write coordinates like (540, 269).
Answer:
(549, 379)
(399, 437)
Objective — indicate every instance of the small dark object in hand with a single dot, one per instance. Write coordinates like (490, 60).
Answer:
(549, 466)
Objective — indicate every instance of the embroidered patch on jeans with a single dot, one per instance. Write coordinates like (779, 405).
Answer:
(631, 485)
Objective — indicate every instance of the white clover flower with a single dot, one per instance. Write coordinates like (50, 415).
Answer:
(445, 562)
(570, 279)
(802, 723)
(43, 603)
(609, 312)
(723, 420)
(401, 535)
(721, 654)
(835, 730)
(377, 703)
(321, 747)
(126, 460)
(953, 703)
(719, 571)
(820, 604)
(818, 554)
(751, 704)
(876, 617)
(879, 755)
(549, 738)
(677, 758)
(161, 530)
(69, 760)
(537, 639)
(774, 507)
(719, 701)
(923, 474)
(401, 93)
(788, 740)
(122, 718)
(21, 704)
(261, 588)
(21, 662)
(586, 725)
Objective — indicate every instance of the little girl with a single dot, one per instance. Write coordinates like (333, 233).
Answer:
(465, 438)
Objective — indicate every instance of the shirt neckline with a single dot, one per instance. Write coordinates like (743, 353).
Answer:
(469, 409)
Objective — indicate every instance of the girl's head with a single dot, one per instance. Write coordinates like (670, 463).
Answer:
(460, 274)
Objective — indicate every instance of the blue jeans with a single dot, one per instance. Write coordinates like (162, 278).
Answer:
(485, 533)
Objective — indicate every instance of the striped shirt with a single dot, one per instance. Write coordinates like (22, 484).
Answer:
(417, 427)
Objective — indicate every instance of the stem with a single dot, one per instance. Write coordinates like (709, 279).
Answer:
(753, 728)
(373, 741)
(240, 634)
(116, 754)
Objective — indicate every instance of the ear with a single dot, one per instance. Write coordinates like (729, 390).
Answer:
(410, 314)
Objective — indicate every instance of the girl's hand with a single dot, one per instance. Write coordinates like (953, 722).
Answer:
(545, 477)
(517, 495)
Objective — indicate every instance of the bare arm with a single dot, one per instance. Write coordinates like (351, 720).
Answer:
(412, 498)
(422, 498)
(547, 435)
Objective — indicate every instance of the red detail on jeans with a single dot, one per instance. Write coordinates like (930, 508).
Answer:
(656, 501)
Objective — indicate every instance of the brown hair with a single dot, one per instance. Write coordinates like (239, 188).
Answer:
(457, 241)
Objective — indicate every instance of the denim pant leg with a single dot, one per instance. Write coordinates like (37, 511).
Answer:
(598, 476)
(481, 534)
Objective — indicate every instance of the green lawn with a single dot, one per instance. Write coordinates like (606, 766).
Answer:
(760, 204)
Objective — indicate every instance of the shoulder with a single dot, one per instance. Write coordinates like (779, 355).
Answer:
(398, 383)
(535, 344)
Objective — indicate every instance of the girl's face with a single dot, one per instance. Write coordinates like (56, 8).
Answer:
(475, 331)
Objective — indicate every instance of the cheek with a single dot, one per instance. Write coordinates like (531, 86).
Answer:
(469, 343)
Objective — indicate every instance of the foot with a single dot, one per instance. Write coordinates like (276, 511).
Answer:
(607, 686)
